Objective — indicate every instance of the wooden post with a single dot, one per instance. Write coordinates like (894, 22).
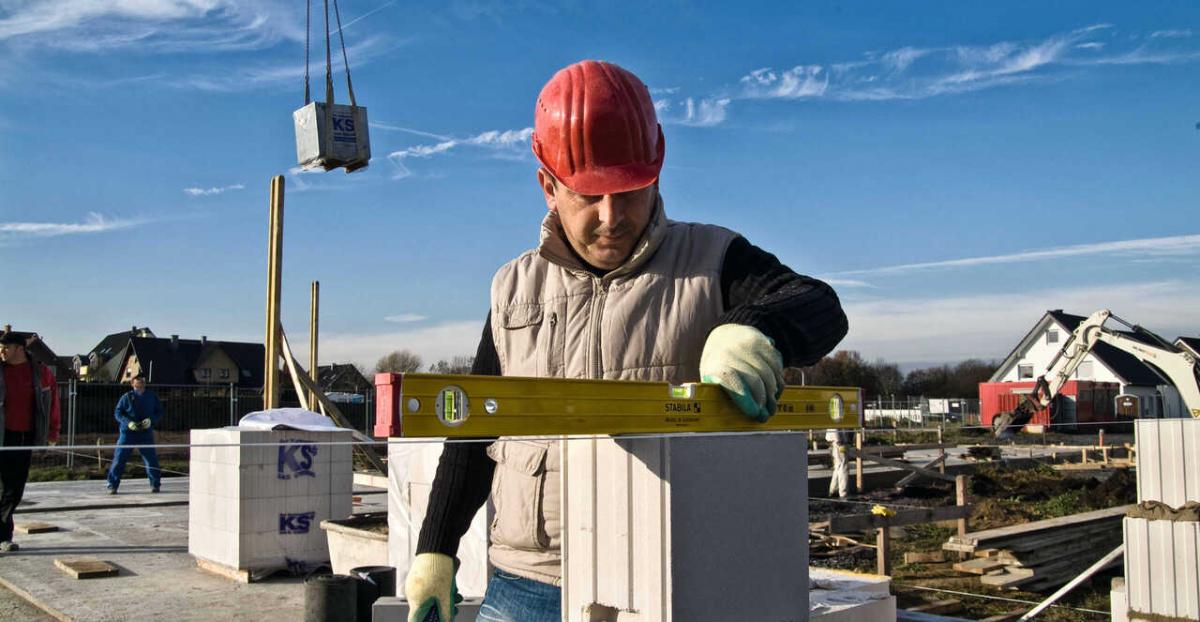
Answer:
(941, 454)
(314, 311)
(960, 494)
(274, 271)
(1084, 459)
(1103, 448)
(858, 470)
(883, 550)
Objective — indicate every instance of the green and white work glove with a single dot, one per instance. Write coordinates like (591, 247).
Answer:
(746, 364)
(146, 424)
(430, 586)
(133, 426)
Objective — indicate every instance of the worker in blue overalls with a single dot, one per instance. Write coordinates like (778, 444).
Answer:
(138, 411)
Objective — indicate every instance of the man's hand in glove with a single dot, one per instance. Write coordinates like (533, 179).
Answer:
(146, 424)
(430, 585)
(132, 425)
(746, 364)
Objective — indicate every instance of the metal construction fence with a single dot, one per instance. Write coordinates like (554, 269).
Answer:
(87, 408)
(889, 411)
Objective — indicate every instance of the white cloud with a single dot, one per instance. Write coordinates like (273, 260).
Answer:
(442, 341)
(846, 283)
(152, 25)
(1090, 45)
(95, 223)
(1181, 33)
(1172, 245)
(495, 141)
(204, 192)
(988, 326)
(290, 74)
(798, 82)
(705, 112)
(405, 317)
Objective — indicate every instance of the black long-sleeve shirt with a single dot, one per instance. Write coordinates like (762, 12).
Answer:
(801, 314)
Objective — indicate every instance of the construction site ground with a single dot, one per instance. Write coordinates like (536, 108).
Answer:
(145, 537)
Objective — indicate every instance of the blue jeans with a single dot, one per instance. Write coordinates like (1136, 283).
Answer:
(511, 598)
(149, 457)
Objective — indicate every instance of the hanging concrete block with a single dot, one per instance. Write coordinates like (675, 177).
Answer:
(332, 137)
(706, 528)
(255, 504)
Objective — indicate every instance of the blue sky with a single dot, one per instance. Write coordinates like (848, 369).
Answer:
(954, 170)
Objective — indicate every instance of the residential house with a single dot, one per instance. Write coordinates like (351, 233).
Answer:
(1088, 397)
(40, 352)
(103, 363)
(343, 378)
(176, 361)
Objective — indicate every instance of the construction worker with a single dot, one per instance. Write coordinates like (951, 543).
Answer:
(839, 473)
(30, 417)
(137, 412)
(614, 290)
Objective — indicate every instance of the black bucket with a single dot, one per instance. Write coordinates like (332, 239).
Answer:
(373, 582)
(330, 598)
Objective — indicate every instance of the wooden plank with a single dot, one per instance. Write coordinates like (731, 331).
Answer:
(857, 522)
(912, 477)
(1074, 520)
(853, 453)
(241, 576)
(1012, 576)
(979, 566)
(86, 568)
(917, 557)
(987, 552)
(32, 528)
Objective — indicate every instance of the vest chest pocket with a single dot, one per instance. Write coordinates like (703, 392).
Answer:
(518, 493)
(534, 333)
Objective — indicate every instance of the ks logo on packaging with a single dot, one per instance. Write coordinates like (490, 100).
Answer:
(296, 459)
(296, 523)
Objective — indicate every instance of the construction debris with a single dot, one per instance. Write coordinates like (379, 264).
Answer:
(32, 528)
(86, 568)
(1042, 554)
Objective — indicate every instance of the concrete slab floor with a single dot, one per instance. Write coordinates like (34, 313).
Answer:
(158, 579)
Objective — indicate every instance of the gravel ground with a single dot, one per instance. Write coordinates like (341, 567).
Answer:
(13, 607)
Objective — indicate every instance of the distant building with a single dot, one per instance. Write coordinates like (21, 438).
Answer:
(1089, 395)
(40, 352)
(343, 378)
(103, 362)
(175, 361)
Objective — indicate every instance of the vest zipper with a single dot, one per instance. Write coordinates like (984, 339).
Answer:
(599, 291)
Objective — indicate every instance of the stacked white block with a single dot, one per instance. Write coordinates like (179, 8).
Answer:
(411, 469)
(706, 528)
(257, 498)
(1162, 557)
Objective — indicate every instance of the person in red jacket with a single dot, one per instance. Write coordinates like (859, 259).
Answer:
(30, 417)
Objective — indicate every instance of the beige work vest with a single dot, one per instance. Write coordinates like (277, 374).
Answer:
(551, 317)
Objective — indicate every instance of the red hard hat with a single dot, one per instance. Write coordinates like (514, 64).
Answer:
(595, 129)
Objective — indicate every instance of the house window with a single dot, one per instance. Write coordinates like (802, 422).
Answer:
(1052, 336)
(1024, 372)
(1084, 371)
(224, 374)
(206, 373)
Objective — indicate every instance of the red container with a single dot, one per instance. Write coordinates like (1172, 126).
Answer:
(1093, 401)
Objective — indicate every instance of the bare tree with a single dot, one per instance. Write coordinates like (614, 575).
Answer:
(399, 361)
(457, 365)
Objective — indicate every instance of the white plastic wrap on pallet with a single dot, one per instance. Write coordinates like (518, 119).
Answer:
(1168, 460)
(256, 501)
(1162, 567)
(706, 528)
(411, 468)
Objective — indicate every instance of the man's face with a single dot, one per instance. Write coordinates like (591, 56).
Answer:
(138, 384)
(601, 228)
(12, 353)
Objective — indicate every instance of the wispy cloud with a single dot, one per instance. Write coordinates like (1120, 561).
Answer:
(847, 283)
(204, 192)
(1164, 246)
(495, 141)
(404, 318)
(988, 326)
(94, 223)
(152, 25)
(910, 73)
(1181, 33)
(245, 78)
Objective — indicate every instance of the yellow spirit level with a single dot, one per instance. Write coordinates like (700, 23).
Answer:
(436, 405)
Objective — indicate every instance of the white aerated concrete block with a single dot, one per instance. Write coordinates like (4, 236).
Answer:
(1168, 460)
(257, 498)
(1162, 567)
(679, 529)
